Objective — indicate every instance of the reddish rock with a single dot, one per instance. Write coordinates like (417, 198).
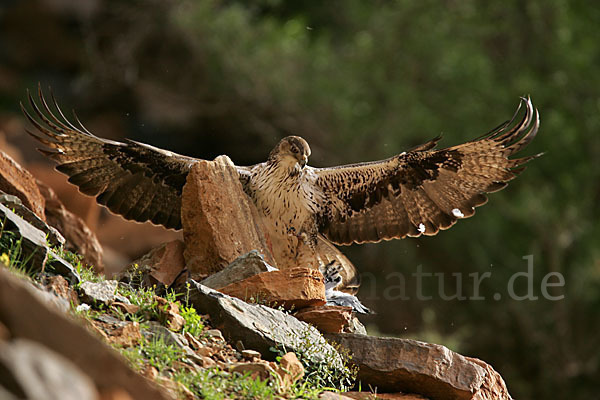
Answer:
(170, 312)
(127, 335)
(162, 264)
(17, 181)
(493, 386)
(293, 288)
(289, 371)
(80, 239)
(220, 223)
(60, 287)
(404, 365)
(327, 319)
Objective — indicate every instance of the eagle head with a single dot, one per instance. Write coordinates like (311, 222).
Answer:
(292, 151)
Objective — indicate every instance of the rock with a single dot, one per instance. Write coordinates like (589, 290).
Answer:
(170, 313)
(220, 222)
(79, 238)
(126, 308)
(34, 248)
(356, 326)
(53, 236)
(327, 319)
(215, 334)
(259, 327)
(162, 265)
(243, 267)
(334, 396)
(289, 371)
(493, 386)
(404, 365)
(251, 355)
(17, 181)
(293, 288)
(123, 335)
(62, 335)
(60, 287)
(378, 396)
(32, 371)
(98, 292)
(259, 369)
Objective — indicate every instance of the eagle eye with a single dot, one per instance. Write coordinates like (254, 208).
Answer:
(294, 149)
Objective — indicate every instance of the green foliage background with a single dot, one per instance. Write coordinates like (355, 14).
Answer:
(360, 81)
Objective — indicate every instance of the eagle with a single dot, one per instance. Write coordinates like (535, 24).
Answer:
(417, 192)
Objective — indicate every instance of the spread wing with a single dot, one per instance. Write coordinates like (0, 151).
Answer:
(132, 179)
(423, 190)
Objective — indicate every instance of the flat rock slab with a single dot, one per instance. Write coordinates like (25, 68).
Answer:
(404, 365)
(220, 223)
(34, 247)
(292, 288)
(259, 327)
(243, 267)
(53, 236)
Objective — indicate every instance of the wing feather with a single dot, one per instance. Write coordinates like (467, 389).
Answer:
(422, 191)
(137, 181)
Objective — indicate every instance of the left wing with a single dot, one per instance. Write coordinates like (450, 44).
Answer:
(135, 180)
(423, 190)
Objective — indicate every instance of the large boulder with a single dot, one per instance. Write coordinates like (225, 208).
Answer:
(259, 327)
(220, 222)
(410, 366)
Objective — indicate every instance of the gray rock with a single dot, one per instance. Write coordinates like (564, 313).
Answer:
(432, 370)
(34, 372)
(34, 247)
(15, 204)
(98, 292)
(261, 328)
(243, 267)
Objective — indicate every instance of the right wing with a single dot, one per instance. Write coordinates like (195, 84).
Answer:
(135, 180)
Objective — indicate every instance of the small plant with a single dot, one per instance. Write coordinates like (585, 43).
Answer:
(325, 366)
(160, 354)
(193, 322)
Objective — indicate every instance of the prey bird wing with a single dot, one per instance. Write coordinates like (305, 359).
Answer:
(421, 191)
(135, 180)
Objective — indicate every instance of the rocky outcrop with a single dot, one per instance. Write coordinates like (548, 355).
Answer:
(259, 327)
(219, 221)
(293, 288)
(393, 364)
(19, 182)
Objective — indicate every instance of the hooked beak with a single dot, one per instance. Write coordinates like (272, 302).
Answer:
(303, 162)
